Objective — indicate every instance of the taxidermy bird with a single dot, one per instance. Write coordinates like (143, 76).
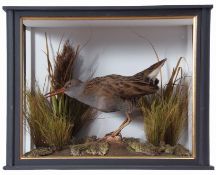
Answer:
(114, 92)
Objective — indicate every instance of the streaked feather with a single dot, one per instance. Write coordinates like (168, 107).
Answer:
(122, 86)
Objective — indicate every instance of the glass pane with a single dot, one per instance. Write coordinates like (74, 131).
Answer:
(94, 87)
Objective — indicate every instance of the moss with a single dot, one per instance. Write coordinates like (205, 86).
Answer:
(134, 145)
(100, 148)
(181, 151)
(166, 148)
(39, 152)
(94, 148)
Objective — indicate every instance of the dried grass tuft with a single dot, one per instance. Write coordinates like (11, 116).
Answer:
(46, 128)
(166, 113)
(64, 65)
(74, 110)
(53, 122)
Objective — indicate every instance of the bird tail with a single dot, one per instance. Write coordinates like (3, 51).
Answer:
(150, 72)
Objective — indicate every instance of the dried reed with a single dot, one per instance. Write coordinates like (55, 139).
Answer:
(53, 123)
(76, 112)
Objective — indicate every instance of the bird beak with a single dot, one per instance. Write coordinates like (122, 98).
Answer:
(156, 68)
(58, 91)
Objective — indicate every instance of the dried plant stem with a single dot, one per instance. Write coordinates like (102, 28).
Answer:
(48, 58)
(156, 54)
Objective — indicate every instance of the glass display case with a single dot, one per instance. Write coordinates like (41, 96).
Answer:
(108, 87)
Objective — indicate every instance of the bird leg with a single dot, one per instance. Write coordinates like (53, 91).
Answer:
(123, 125)
(119, 126)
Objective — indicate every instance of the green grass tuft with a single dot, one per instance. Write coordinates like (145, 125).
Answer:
(55, 121)
(166, 112)
(46, 128)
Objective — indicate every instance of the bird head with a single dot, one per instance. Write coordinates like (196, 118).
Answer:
(69, 86)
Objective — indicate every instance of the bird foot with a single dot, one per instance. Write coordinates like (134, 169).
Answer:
(112, 137)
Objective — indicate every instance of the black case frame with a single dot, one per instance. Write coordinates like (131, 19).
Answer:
(201, 161)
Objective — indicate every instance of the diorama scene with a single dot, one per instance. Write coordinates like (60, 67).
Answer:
(108, 88)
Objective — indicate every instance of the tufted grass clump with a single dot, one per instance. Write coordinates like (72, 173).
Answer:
(59, 73)
(166, 112)
(53, 122)
(46, 128)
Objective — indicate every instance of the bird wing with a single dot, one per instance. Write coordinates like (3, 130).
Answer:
(118, 86)
(100, 85)
(130, 88)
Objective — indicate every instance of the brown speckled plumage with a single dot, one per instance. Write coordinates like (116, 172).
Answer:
(117, 85)
(114, 92)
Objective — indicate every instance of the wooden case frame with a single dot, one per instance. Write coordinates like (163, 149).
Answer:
(15, 41)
